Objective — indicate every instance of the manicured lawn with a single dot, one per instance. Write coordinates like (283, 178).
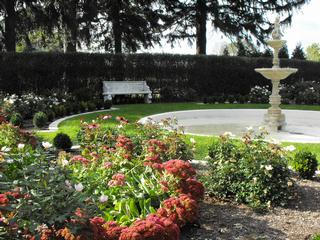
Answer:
(136, 111)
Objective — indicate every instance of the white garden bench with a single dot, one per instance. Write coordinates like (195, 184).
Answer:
(112, 88)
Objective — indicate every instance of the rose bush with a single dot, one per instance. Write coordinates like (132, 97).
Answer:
(251, 171)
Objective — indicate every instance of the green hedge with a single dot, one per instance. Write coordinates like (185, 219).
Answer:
(175, 77)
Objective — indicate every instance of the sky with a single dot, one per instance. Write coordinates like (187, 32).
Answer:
(305, 28)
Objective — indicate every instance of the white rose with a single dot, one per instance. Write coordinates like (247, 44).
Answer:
(268, 167)
(21, 146)
(290, 148)
(103, 198)
(46, 145)
(78, 187)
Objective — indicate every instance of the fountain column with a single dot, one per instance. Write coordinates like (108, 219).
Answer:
(274, 119)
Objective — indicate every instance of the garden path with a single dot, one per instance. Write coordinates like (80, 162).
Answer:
(226, 220)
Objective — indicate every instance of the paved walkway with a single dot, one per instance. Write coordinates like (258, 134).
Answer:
(302, 126)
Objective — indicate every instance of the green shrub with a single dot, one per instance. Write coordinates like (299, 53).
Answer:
(316, 237)
(60, 110)
(172, 77)
(91, 106)
(40, 119)
(51, 115)
(251, 171)
(83, 106)
(305, 163)
(16, 119)
(62, 141)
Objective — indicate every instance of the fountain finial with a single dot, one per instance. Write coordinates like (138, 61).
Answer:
(276, 33)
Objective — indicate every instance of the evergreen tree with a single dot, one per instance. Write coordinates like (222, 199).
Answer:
(232, 17)
(267, 53)
(284, 52)
(128, 24)
(14, 15)
(298, 53)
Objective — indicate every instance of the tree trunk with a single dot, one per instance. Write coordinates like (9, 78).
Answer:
(71, 27)
(116, 26)
(10, 26)
(201, 26)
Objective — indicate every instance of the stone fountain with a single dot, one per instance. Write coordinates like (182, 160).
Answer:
(274, 119)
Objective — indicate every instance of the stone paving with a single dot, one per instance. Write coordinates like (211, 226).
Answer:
(302, 126)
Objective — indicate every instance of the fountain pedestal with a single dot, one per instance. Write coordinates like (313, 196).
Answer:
(274, 120)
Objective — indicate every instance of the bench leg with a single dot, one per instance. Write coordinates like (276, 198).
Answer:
(148, 98)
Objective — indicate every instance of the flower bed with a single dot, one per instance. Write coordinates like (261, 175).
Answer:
(121, 186)
(52, 105)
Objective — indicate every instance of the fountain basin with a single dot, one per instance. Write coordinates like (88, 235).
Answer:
(276, 44)
(276, 74)
(302, 126)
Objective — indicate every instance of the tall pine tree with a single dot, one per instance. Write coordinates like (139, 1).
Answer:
(298, 53)
(232, 17)
(128, 25)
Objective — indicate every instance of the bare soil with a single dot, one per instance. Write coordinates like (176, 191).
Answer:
(227, 220)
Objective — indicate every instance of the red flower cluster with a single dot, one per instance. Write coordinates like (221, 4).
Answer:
(117, 180)
(152, 228)
(192, 188)
(125, 143)
(179, 168)
(154, 150)
(3, 119)
(98, 230)
(181, 210)
(107, 165)
(4, 197)
(79, 158)
(122, 120)
(113, 230)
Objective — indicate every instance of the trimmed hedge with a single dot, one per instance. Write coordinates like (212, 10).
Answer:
(174, 77)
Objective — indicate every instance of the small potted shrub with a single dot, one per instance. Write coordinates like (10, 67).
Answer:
(305, 163)
(40, 119)
(16, 119)
(62, 141)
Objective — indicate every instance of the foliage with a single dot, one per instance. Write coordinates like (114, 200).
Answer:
(62, 141)
(305, 163)
(259, 94)
(111, 191)
(250, 171)
(16, 119)
(313, 52)
(316, 237)
(284, 52)
(11, 136)
(171, 77)
(304, 92)
(40, 119)
(298, 53)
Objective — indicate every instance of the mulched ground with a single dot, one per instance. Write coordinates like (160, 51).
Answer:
(225, 220)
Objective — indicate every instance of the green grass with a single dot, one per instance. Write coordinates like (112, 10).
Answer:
(136, 111)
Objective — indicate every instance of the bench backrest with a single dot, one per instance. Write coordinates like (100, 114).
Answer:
(125, 87)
